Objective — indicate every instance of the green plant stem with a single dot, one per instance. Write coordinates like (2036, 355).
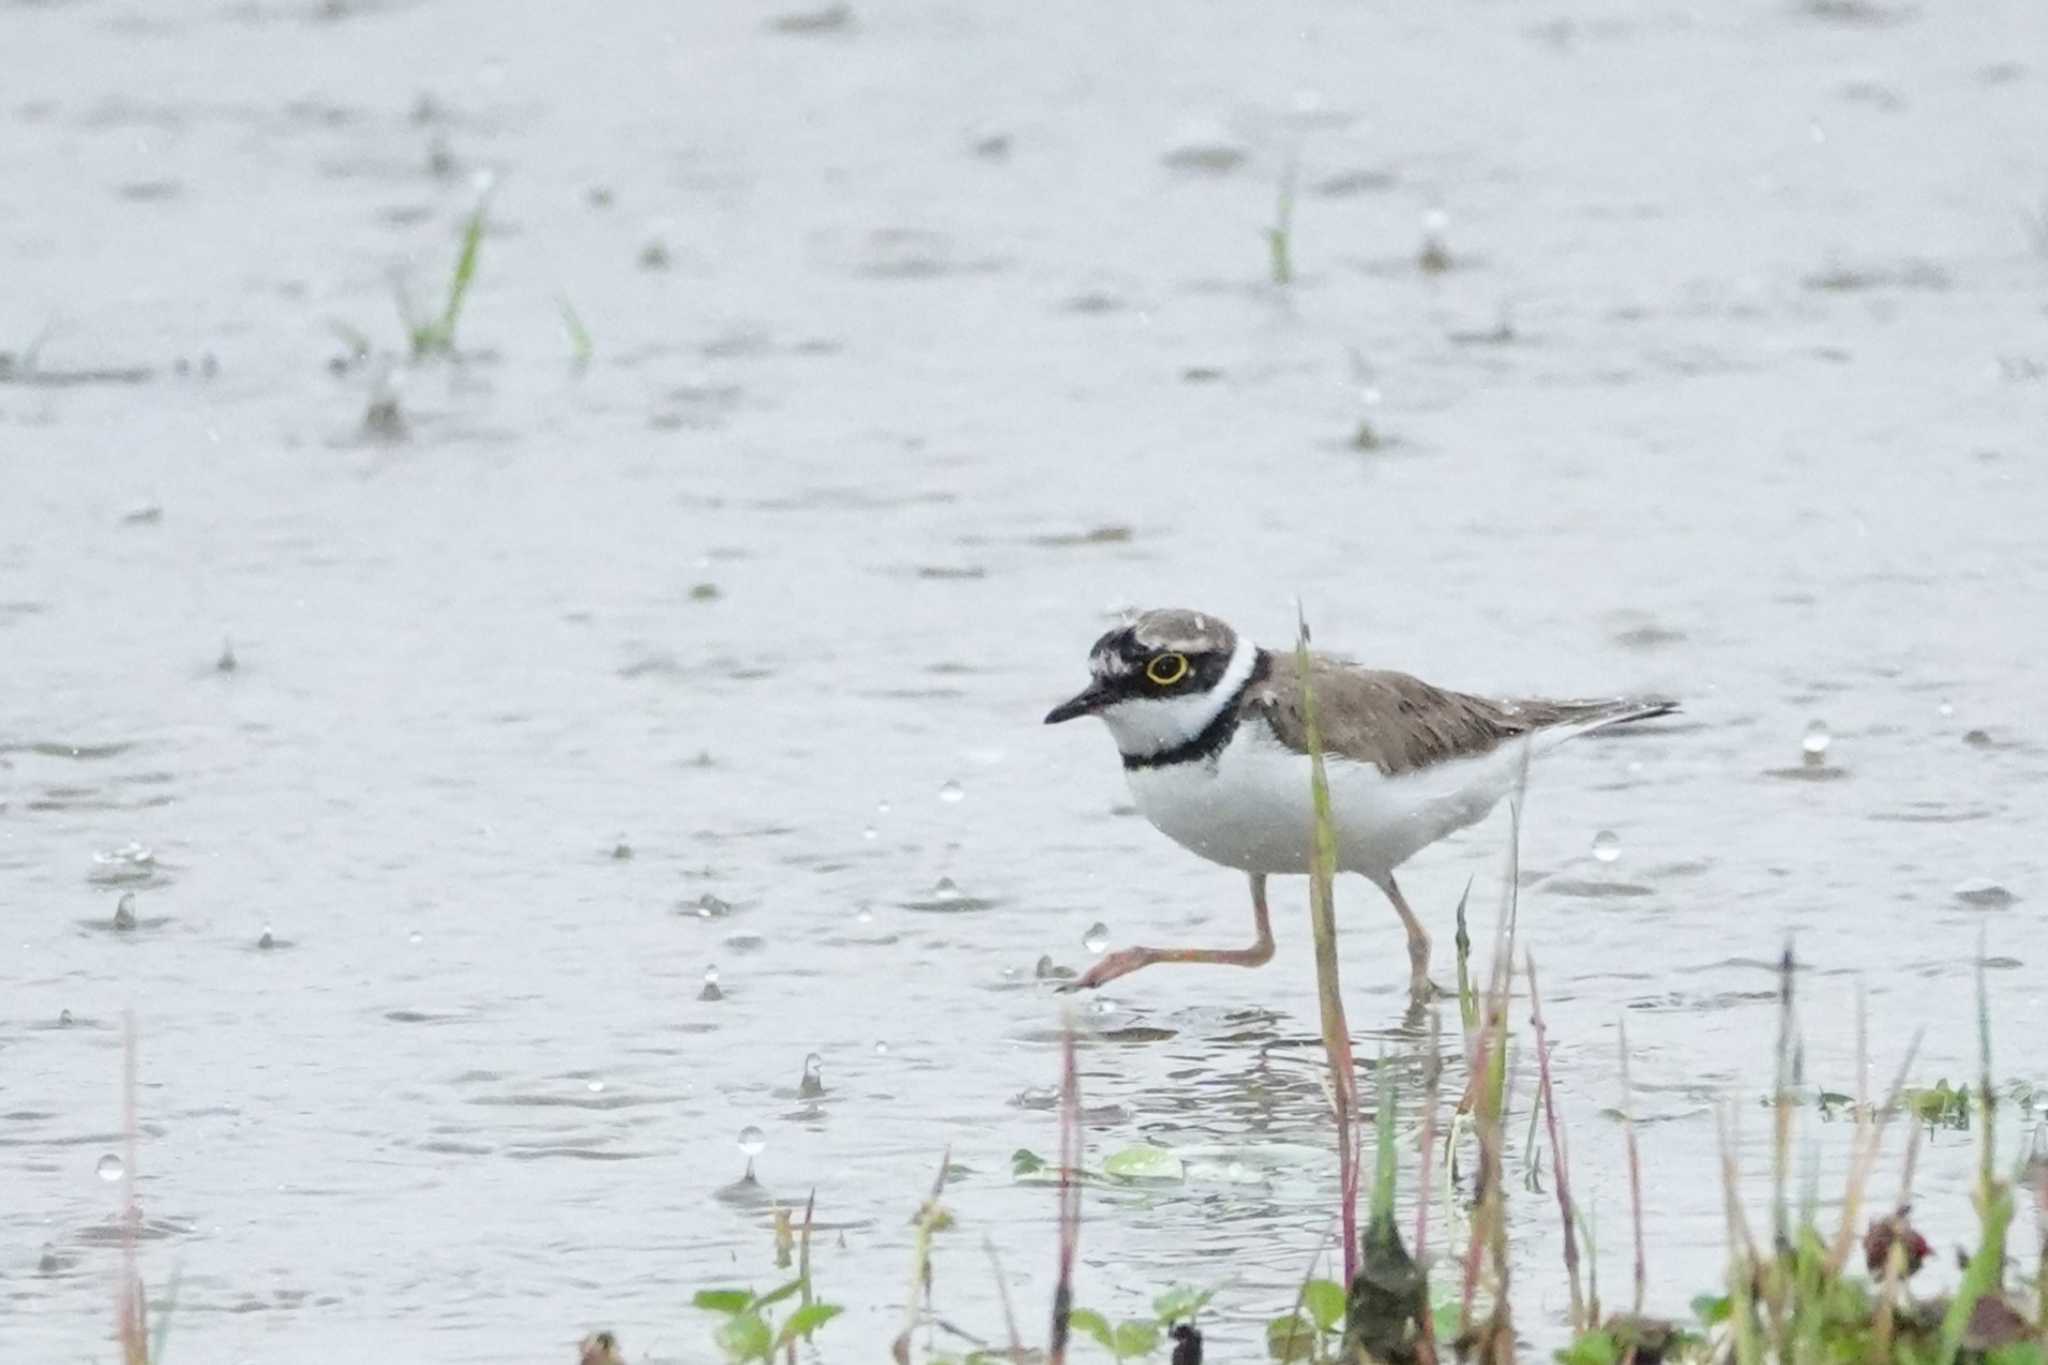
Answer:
(1329, 991)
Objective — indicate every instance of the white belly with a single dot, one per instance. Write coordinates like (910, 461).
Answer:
(1251, 807)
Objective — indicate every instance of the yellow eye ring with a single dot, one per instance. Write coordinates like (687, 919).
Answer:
(1167, 669)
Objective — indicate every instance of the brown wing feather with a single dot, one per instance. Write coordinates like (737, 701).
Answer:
(1399, 723)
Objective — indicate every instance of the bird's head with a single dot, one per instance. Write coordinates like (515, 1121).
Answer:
(1159, 680)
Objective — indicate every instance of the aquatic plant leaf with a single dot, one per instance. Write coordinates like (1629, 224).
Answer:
(1024, 1161)
(1593, 1348)
(1181, 1303)
(1292, 1337)
(1387, 1298)
(1094, 1325)
(777, 1294)
(1468, 989)
(1144, 1162)
(1137, 1337)
(1324, 1300)
(1983, 1277)
(580, 346)
(1386, 1162)
(805, 1321)
(723, 1300)
(2017, 1353)
(746, 1336)
(464, 274)
(1712, 1309)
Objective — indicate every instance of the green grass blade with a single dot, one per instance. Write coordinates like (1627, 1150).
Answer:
(465, 271)
(1329, 991)
(1385, 1162)
(580, 347)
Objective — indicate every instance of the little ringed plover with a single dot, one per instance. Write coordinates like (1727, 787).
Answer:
(1215, 748)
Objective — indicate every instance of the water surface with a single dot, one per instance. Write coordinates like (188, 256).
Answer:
(922, 342)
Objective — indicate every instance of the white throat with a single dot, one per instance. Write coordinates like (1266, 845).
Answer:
(1148, 725)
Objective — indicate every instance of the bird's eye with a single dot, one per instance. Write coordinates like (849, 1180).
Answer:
(1167, 669)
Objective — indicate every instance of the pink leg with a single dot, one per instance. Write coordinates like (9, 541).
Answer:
(1124, 961)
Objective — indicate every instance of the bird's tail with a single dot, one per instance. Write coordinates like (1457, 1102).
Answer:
(1563, 720)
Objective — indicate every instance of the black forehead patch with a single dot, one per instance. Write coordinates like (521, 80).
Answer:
(1118, 651)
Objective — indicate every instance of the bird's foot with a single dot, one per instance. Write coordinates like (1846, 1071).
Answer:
(1422, 990)
(1113, 965)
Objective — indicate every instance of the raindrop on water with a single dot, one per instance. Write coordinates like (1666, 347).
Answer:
(813, 1083)
(711, 990)
(881, 1048)
(1817, 740)
(752, 1142)
(64, 1019)
(266, 939)
(594, 1087)
(863, 916)
(1606, 846)
(1103, 1006)
(124, 911)
(110, 1167)
(415, 938)
(881, 807)
(1945, 710)
(952, 792)
(869, 832)
(1096, 938)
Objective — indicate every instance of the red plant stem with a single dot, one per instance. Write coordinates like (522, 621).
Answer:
(1560, 1167)
(1635, 1172)
(1482, 1046)
(1433, 1072)
(1433, 1079)
(1339, 1044)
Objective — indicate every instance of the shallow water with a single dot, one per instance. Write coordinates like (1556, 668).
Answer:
(961, 338)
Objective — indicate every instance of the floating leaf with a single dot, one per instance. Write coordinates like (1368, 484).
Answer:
(805, 1321)
(1181, 1303)
(723, 1300)
(1324, 1300)
(1290, 1338)
(1593, 1348)
(777, 1294)
(745, 1336)
(1144, 1162)
(1139, 1337)
(1024, 1161)
(1095, 1325)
